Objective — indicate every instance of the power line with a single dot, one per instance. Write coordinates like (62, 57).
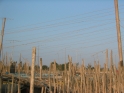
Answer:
(101, 10)
(88, 46)
(48, 26)
(51, 25)
(39, 41)
(70, 32)
(61, 35)
(83, 42)
(55, 30)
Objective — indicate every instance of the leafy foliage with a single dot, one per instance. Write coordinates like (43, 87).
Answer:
(45, 67)
(59, 67)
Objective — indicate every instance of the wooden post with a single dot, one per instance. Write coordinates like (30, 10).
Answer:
(27, 67)
(106, 60)
(0, 84)
(9, 66)
(81, 80)
(110, 88)
(2, 34)
(14, 85)
(54, 73)
(118, 33)
(32, 70)
(45, 90)
(8, 88)
(49, 79)
(111, 60)
(15, 67)
(41, 68)
(19, 91)
(42, 89)
(6, 62)
(65, 78)
(69, 72)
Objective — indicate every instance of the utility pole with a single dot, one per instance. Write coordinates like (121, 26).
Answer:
(118, 33)
(1, 38)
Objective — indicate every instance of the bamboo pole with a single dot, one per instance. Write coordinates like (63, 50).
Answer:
(70, 60)
(110, 88)
(6, 61)
(19, 91)
(42, 89)
(106, 60)
(54, 73)
(49, 79)
(90, 80)
(81, 80)
(65, 78)
(41, 68)
(8, 88)
(0, 84)
(32, 70)
(45, 90)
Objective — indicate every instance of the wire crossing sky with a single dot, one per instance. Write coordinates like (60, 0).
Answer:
(79, 28)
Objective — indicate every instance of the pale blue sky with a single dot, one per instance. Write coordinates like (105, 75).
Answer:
(83, 28)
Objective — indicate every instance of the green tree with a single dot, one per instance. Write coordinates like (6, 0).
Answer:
(45, 67)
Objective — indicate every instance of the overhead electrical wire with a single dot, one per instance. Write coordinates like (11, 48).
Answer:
(101, 10)
(53, 24)
(86, 46)
(65, 35)
(70, 32)
(49, 39)
(81, 42)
